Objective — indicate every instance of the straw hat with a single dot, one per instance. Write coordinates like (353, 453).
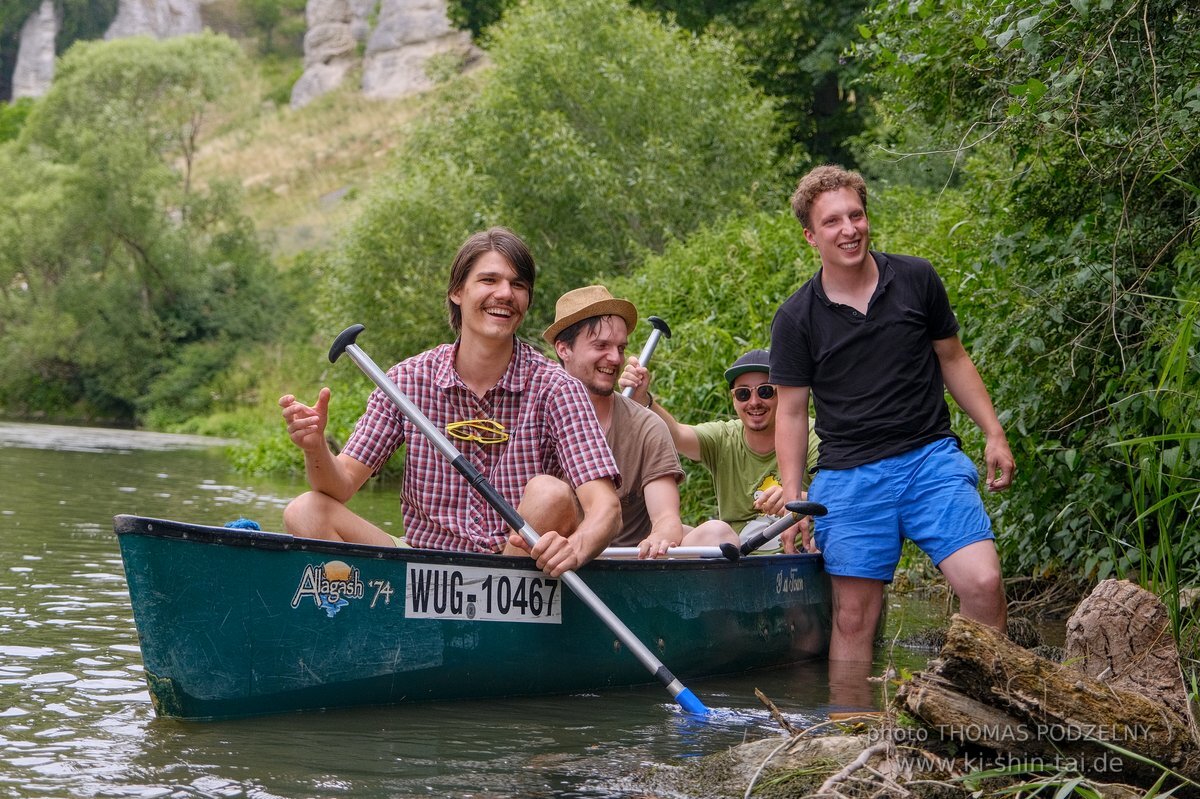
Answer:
(584, 303)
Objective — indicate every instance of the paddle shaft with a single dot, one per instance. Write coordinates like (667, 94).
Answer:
(686, 699)
(660, 327)
(797, 511)
(673, 552)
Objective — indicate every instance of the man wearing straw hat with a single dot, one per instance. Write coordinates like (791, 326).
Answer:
(589, 334)
(524, 424)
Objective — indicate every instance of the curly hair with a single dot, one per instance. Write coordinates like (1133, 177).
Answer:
(820, 180)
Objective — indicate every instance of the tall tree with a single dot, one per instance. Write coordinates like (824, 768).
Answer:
(796, 51)
(601, 134)
(129, 295)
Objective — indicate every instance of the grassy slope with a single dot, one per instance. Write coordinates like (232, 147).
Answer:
(299, 167)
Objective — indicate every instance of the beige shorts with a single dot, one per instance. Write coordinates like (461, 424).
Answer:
(772, 547)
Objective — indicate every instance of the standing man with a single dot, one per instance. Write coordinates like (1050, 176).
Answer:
(738, 453)
(874, 339)
(521, 420)
(589, 334)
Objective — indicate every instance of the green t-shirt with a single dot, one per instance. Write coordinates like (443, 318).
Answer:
(737, 471)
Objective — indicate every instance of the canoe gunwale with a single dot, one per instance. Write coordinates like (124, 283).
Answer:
(129, 524)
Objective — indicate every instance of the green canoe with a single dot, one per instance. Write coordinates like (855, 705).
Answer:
(239, 622)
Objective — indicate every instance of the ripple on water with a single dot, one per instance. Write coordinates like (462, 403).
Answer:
(51, 678)
(27, 651)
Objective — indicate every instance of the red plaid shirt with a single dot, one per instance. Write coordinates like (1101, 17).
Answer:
(552, 430)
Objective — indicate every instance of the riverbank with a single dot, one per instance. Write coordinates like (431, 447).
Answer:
(986, 716)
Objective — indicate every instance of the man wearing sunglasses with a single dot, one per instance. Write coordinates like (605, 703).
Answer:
(873, 338)
(738, 453)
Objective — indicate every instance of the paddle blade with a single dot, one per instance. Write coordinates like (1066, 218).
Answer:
(690, 704)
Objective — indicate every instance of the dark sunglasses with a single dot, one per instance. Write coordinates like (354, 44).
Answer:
(764, 391)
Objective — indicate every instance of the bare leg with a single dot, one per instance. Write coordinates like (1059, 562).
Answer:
(857, 604)
(849, 685)
(548, 504)
(974, 574)
(317, 515)
(711, 533)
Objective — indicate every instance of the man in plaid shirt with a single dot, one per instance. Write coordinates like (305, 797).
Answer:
(521, 420)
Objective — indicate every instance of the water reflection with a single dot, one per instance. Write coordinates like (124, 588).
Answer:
(76, 719)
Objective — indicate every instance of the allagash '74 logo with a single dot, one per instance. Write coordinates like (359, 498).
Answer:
(330, 585)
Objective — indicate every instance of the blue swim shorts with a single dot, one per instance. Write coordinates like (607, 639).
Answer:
(929, 496)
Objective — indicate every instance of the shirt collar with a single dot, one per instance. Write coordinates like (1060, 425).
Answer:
(886, 273)
(446, 376)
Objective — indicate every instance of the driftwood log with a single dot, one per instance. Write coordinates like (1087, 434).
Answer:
(1014, 708)
(1121, 636)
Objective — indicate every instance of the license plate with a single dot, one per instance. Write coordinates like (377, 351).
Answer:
(472, 594)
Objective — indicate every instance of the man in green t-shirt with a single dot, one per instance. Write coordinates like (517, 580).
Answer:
(739, 453)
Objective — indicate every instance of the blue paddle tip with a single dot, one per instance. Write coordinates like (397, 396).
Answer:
(688, 701)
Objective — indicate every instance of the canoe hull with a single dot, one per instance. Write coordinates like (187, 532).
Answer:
(237, 623)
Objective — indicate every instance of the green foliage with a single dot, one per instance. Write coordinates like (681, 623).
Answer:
(1083, 118)
(125, 290)
(13, 15)
(476, 15)
(269, 17)
(12, 118)
(598, 136)
(279, 74)
(795, 51)
(82, 20)
(1162, 545)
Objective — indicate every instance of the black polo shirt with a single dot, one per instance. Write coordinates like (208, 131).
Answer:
(875, 379)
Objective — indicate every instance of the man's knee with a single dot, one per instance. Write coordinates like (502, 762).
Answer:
(550, 504)
(550, 490)
(856, 621)
(711, 533)
(858, 604)
(983, 583)
(981, 595)
(301, 515)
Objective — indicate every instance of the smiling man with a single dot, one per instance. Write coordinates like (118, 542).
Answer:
(521, 420)
(739, 453)
(589, 334)
(873, 338)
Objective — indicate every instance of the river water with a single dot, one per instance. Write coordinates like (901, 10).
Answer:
(76, 718)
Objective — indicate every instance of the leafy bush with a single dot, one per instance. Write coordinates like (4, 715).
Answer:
(1089, 114)
(12, 117)
(599, 135)
(126, 289)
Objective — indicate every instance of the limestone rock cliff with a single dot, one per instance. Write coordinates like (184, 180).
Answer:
(390, 41)
(158, 18)
(406, 35)
(409, 33)
(35, 53)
